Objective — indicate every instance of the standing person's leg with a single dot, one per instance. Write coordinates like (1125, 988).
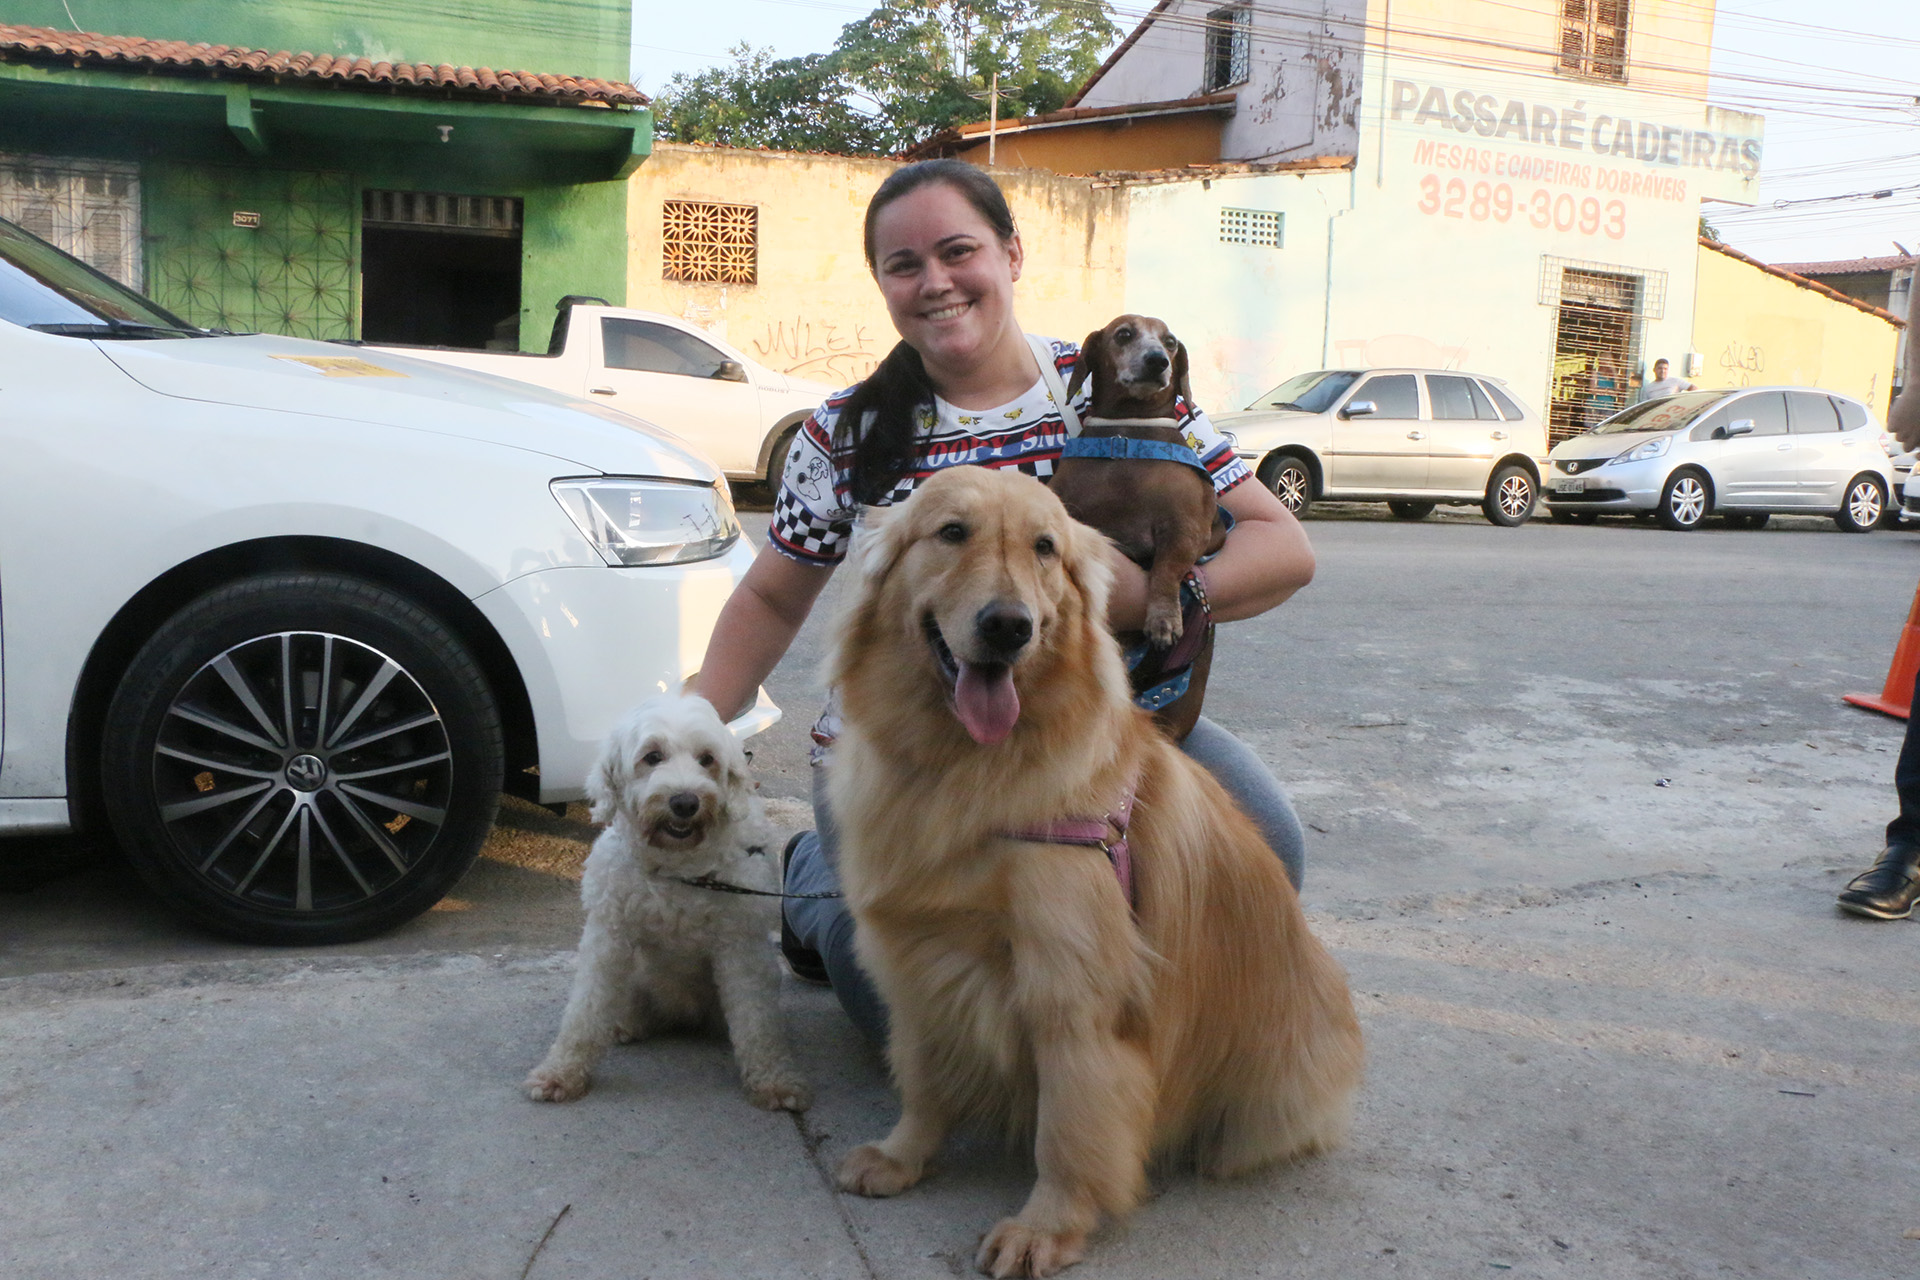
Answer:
(1253, 786)
(825, 925)
(1889, 889)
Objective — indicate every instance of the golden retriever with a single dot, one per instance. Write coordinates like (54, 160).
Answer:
(983, 695)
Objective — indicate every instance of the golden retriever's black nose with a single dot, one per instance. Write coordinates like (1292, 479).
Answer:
(683, 805)
(1004, 629)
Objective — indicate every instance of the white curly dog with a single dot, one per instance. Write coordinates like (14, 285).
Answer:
(657, 952)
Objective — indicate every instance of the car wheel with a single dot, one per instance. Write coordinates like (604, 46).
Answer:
(1684, 502)
(1510, 495)
(1290, 481)
(302, 758)
(1407, 510)
(777, 460)
(1864, 506)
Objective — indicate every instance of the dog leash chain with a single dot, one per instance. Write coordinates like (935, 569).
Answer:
(722, 886)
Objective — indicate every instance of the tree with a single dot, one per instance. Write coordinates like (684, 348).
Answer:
(896, 77)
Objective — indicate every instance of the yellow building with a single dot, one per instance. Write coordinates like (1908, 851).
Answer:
(1758, 325)
(793, 290)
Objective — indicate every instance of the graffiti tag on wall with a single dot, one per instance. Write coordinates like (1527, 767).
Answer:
(820, 349)
(1742, 361)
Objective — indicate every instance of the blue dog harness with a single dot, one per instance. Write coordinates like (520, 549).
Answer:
(1119, 448)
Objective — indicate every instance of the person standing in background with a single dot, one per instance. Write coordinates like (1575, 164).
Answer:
(1664, 385)
(1889, 888)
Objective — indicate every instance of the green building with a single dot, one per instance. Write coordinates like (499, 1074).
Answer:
(330, 168)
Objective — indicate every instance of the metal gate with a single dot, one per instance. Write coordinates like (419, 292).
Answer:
(1598, 322)
(90, 208)
(255, 250)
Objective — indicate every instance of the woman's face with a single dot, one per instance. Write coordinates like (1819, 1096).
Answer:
(946, 276)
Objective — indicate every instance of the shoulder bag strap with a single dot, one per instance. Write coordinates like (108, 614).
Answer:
(1050, 374)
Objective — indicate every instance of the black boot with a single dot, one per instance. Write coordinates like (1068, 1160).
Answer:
(1889, 890)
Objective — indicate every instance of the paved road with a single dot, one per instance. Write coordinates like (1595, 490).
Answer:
(1578, 798)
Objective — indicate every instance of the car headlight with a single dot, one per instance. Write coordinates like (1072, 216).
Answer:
(632, 522)
(1641, 452)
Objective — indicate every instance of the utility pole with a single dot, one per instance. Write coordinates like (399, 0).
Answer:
(993, 115)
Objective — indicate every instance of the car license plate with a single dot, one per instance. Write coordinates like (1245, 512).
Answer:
(1570, 485)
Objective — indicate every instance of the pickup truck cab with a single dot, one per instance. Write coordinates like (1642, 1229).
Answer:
(672, 373)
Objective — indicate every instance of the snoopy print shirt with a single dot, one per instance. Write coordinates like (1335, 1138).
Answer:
(814, 513)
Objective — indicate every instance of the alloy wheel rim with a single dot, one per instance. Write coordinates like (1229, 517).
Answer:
(1291, 485)
(1864, 504)
(302, 772)
(1516, 496)
(1689, 501)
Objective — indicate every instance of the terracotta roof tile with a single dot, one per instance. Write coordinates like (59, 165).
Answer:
(133, 52)
(1804, 283)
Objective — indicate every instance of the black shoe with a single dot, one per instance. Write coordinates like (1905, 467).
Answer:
(803, 961)
(1889, 890)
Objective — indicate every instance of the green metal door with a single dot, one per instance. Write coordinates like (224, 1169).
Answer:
(255, 250)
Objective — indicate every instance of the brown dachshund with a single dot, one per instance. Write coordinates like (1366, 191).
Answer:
(1152, 498)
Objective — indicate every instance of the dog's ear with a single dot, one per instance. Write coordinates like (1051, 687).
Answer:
(1093, 349)
(603, 781)
(878, 541)
(1179, 380)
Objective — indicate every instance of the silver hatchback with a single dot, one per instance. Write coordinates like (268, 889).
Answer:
(1413, 438)
(1743, 454)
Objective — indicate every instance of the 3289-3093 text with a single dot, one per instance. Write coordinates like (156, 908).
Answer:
(1562, 211)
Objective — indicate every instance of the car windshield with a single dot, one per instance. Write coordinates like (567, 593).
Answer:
(1308, 392)
(54, 292)
(1658, 415)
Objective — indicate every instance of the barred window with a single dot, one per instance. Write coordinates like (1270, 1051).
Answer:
(1252, 226)
(1229, 46)
(1593, 38)
(709, 243)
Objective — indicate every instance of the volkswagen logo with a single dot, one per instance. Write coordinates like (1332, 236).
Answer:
(306, 773)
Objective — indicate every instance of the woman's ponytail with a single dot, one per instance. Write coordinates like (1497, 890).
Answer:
(880, 449)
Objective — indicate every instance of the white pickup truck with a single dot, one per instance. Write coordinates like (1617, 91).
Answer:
(671, 373)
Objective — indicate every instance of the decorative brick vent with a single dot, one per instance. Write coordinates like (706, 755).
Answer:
(709, 243)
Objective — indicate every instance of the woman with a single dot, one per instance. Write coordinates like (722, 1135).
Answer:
(963, 387)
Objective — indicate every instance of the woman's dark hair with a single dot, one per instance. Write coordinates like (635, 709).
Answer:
(881, 450)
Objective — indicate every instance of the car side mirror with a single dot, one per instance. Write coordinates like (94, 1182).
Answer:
(1739, 427)
(1359, 409)
(730, 371)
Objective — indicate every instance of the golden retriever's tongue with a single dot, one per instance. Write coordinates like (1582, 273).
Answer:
(985, 700)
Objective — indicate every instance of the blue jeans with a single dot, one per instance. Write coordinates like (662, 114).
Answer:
(826, 925)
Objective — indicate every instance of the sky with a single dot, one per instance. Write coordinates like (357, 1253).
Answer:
(1839, 83)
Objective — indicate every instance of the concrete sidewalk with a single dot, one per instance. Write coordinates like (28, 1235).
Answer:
(1616, 1028)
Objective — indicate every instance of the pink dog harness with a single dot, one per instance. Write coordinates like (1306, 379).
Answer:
(1107, 833)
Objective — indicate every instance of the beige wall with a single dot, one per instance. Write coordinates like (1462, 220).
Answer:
(815, 312)
(1755, 329)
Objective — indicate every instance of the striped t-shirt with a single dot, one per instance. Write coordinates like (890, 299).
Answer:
(814, 512)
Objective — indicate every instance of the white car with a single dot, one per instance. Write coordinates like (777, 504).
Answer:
(1412, 438)
(674, 374)
(1743, 455)
(290, 619)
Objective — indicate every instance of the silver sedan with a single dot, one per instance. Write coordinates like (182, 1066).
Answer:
(1743, 454)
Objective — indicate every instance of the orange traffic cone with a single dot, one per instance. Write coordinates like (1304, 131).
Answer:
(1896, 698)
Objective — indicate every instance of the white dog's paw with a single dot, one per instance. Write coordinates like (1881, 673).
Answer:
(547, 1083)
(779, 1093)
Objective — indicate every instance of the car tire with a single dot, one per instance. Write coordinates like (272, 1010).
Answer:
(777, 460)
(1685, 501)
(1290, 481)
(1510, 496)
(1864, 506)
(302, 758)
(1405, 509)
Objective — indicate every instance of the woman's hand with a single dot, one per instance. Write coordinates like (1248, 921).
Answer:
(755, 630)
